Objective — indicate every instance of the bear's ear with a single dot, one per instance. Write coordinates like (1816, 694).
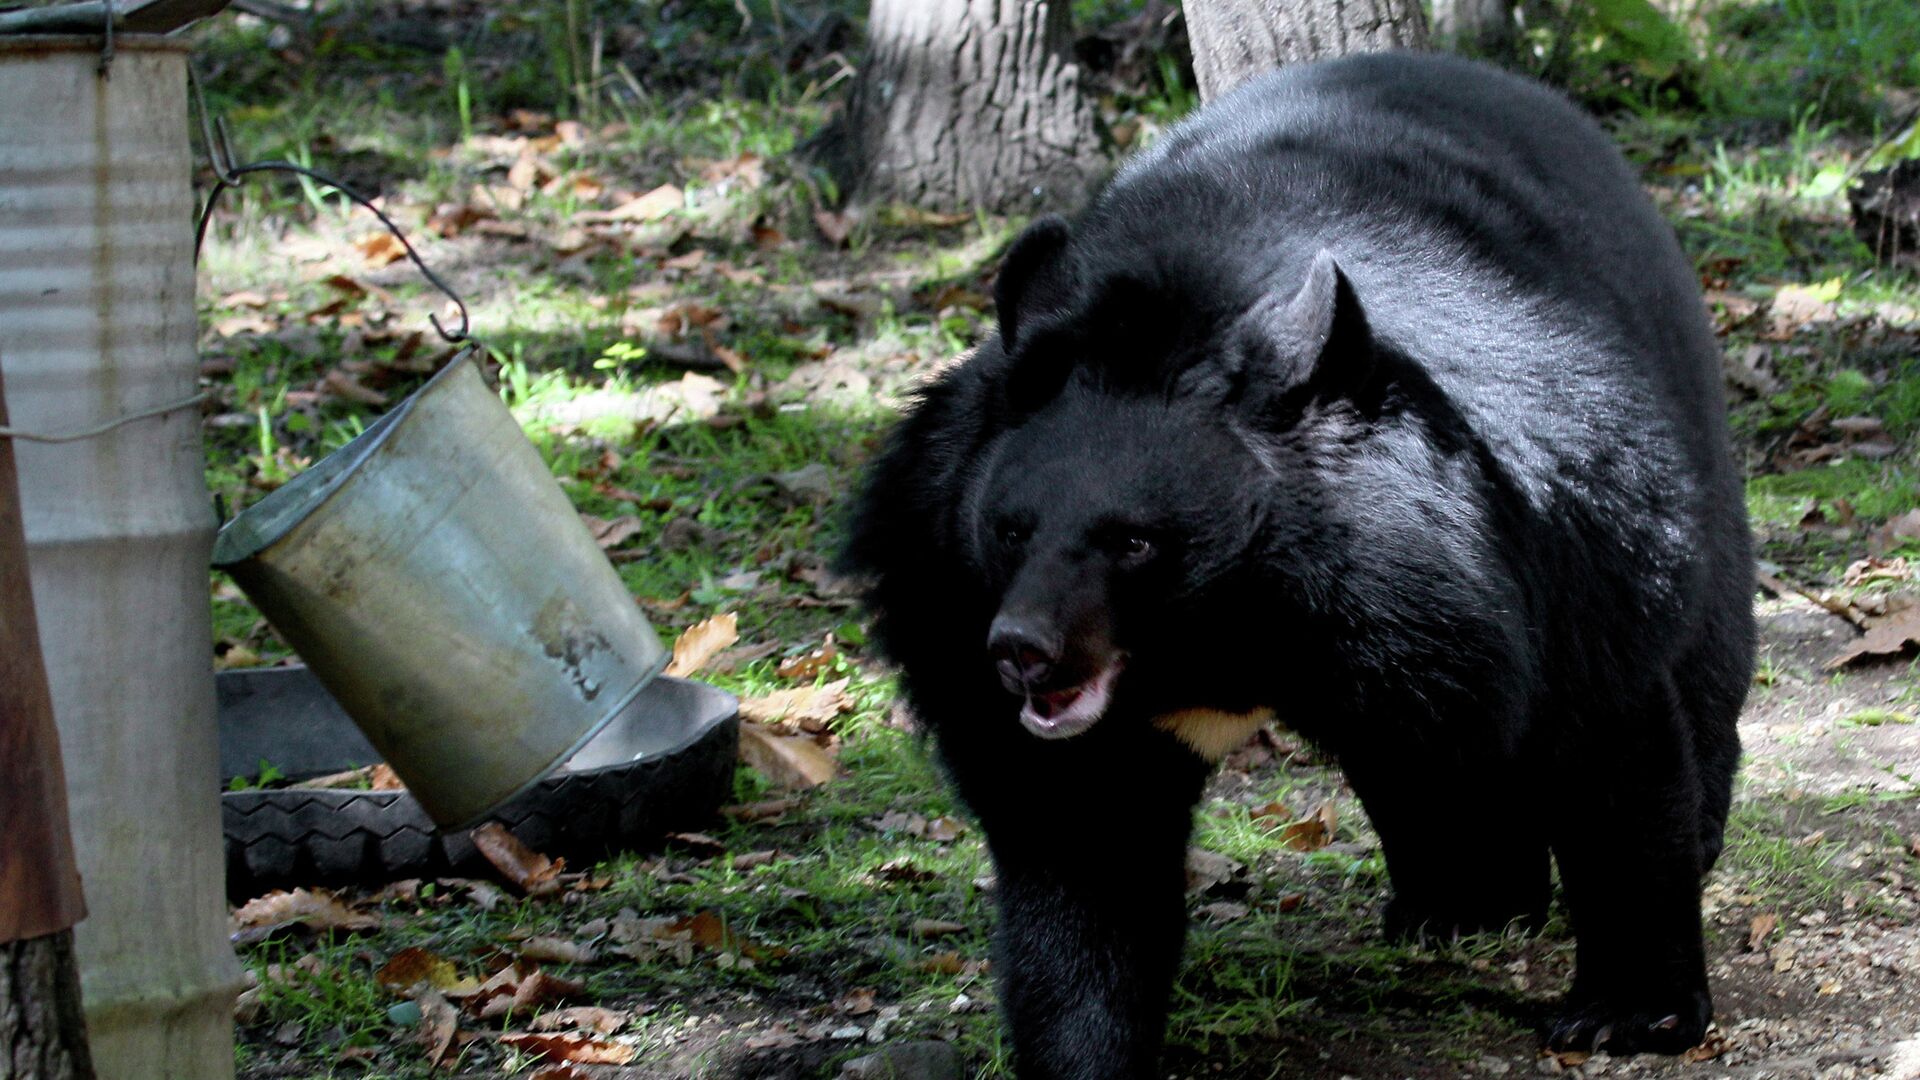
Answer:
(1314, 344)
(1038, 276)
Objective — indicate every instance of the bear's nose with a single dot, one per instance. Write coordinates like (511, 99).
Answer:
(1023, 653)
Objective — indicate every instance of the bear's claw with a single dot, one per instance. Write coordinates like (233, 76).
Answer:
(1622, 1030)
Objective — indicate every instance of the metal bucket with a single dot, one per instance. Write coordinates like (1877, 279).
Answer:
(437, 580)
(97, 323)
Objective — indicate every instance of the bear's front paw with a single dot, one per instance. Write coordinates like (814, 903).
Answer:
(1622, 1027)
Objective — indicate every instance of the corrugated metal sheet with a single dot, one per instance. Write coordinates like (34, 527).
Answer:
(96, 322)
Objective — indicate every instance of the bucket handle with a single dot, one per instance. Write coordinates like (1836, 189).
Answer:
(227, 174)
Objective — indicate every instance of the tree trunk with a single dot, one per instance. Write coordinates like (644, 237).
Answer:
(968, 103)
(1236, 39)
(43, 1034)
(1474, 27)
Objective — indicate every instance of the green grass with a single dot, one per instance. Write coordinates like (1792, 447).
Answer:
(1785, 865)
(1876, 490)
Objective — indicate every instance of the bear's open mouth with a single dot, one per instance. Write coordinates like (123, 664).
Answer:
(1061, 714)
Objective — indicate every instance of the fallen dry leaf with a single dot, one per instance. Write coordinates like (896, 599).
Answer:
(809, 708)
(245, 298)
(1715, 1044)
(584, 1018)
(900, 215)
(699, 843)
(485, 894)
(1222, 911)
(412, 966)
(1884, 637)
(902, 870)
(344, 385)
(652, 206)
(380, 777)
(748, 169)
(380, 249)
(515, 988)
(788, 761)
(755, 858)
(526, 171)
(932, 928)
(1311, 833)
(1905, 527)
(778, 1038)
(1273, 811)
(835, 227)
(556, 950)
(452, 219)
(236, 325)
(1758, 930)
(612, 533)
(943, 829)
(317, 909)
(640, 938)
(809, 664)
(764, 810)
(1207, 870)
(857, 1002)
(940, 829)
(575, 1048)
(701, 642)
(439, 1026)
(1862, 571)
(532, 872)
(940, 963)
(690, 261)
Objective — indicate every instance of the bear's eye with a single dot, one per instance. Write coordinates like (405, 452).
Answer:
(1012, 533)
(1134, 550)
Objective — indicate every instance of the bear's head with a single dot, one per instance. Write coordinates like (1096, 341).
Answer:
(1099, 503)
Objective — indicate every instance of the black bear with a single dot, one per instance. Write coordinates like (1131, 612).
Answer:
(1377, 397)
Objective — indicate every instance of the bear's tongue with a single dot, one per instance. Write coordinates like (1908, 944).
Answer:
(1069, 712)
(1046, 705)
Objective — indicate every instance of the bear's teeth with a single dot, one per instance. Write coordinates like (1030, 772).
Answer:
(1065, 713)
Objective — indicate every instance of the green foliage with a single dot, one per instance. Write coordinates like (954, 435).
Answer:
(1841, 59)
(269, 775)
(1876, 490)
(1636, 29)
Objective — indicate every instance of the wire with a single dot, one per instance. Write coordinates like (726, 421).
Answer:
(100, 429)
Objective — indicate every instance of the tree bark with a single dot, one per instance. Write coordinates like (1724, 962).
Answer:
(1474, 27)
(1236, 39)
(43, 1033)
(968, 103)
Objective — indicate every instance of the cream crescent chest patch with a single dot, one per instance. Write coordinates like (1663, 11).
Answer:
(1211, 733)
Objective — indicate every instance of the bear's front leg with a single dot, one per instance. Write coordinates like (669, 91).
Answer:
(1085, 953)
(1630, 860)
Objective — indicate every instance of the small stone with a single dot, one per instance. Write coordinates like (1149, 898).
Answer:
(919, 1060)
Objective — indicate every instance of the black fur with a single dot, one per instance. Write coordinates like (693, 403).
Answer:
(1377, 394)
